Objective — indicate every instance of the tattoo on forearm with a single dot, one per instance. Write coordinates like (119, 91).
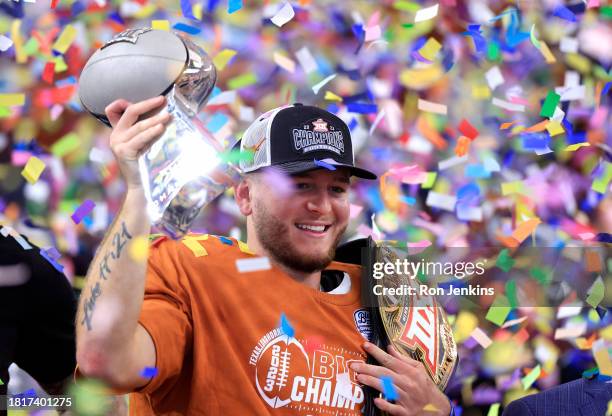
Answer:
(119, 239)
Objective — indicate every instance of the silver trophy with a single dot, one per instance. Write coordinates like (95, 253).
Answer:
(182, 171)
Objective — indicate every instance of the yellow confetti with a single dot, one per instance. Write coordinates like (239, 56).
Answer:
(145, 11)
(20, 55)
(481, 92)
(60, 64)
(420, 78)
(515, 187)
(161, 25)
(222, 58)
(554, 128)
(33, 168)
(139, 249)
(332, 97)
(242, 81)
(609, 412)
(64, 41)
(244, 248)
(193, 243)
(493, 410)
(430, 49)
(284, 62)
(464, 325)
(578, 62)
(574, 147)
(602, 358)
(8, 100)
(197, 11)
(430, 408)
(545, 51)
(429, 180)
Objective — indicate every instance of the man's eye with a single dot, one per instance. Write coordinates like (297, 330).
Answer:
(338, 189)
(302, 185)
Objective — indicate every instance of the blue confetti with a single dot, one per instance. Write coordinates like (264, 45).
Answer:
(286, 327)
(324, 164)
(186, 9)
(604, 238)
(536, 141)
(234, 6)
(353, 123)
(148, 372)
(477, 171)
(564, 13)
(388, 388)
(186, 28)
(362, 108)
(51, 257)
(217, 121)
(226, 240)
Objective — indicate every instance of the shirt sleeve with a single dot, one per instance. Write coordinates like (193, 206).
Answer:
(166, 316)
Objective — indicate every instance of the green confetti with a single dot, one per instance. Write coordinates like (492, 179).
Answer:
(530, 378)
(90, 397)
(550, 103)
(493, 410)
(600, 184)
(408, 25)
(596, 293)
(242, 81)
(406, 6)
(606, 12)
(493, 51)
(1, 382)
(511, 293)
(504, 261)
(236, 156)
(590, 372)
(540, 275)
(5, 112)
(65, 145)
(499, 310)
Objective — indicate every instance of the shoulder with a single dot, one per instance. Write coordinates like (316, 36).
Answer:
(198, 247)
(532, 404)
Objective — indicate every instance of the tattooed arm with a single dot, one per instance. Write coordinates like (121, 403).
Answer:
(111, 344)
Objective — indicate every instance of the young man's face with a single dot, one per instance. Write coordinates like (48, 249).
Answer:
(301, 228)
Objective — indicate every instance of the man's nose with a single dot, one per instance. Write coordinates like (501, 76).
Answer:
(319, 203)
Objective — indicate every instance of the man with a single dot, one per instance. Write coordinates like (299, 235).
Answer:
(585, 397)
(37, 310)
(217, 329)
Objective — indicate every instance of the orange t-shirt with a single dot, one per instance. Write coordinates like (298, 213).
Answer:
(220, 346)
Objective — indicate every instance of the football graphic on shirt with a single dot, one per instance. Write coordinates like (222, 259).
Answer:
(276, 368)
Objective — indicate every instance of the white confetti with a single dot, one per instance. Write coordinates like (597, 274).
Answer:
(284, 15)
(432, 107)
(452, 161)
(5, 43)
(226, 97)
(307, 61)
(253, 264)
(437, 200)
(507, 105)
(426, 13)
(568, 45)
(284, 62)
(494, 77)
(318, 86)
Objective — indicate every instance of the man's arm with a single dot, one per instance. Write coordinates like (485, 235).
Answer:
(111, 344)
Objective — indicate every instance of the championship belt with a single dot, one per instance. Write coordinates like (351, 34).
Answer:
(414, 324)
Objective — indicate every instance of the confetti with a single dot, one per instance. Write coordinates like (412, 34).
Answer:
(550, 103)
(430, 107)
(481, 338)
(430, 49)
(284, 15)
(530, 378)
(493, 410)
(504, 261)
(65, 145)
(499, 310)
(10, 100)
(160, 25)
(388, 389)
(242, 81)
(494, 77)
(222, 58)
(426, 13)
(64, 41)
(467, 129)
(149, 372)
(253, 265)
(233, 6)
(5, 43)
(33, 169)
(84, 209)
(318, 86)
(138, 249)
(284, 62)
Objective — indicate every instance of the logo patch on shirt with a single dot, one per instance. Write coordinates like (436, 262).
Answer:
(318, 135)
(362, 322)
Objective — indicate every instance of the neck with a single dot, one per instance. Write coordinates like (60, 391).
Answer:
(309, 279)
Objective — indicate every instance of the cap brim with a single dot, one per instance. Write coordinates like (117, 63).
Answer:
(306, 165)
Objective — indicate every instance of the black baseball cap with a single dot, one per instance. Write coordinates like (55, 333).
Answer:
(298, 138)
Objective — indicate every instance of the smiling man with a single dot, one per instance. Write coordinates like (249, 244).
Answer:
(212, 326)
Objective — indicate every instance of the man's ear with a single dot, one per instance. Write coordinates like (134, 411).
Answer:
(242, 196)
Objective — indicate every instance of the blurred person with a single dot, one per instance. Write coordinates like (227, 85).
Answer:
(37, 311)
(189, 334)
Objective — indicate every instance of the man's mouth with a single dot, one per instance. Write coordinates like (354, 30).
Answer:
(317, 229)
